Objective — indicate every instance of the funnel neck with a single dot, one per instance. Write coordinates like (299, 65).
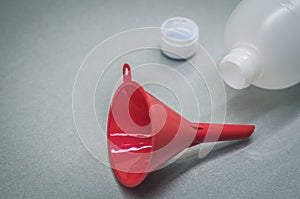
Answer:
(221, 132)
(241, 67)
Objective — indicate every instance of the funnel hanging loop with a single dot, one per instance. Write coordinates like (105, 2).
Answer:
(126, 73)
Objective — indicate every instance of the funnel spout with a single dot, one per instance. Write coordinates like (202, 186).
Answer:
(221, 132)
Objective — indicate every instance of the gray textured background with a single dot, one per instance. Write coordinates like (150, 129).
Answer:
(42, 45)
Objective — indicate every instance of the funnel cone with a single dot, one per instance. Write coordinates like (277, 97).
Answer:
(143, 133)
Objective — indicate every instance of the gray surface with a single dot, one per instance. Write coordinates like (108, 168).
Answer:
(42, 45)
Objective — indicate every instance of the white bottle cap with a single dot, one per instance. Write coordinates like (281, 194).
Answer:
(179, 38)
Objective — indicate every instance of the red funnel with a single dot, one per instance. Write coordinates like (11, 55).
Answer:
(144, 133)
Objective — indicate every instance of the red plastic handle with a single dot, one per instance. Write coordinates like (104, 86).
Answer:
(126, 73)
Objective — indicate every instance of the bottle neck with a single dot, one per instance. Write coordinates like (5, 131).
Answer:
(241, 67)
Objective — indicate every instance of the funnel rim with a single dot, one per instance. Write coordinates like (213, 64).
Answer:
(136, 181)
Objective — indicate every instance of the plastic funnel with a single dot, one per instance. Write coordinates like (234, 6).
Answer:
(143, 133)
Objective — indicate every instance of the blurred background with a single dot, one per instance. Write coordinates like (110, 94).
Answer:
(43, 44)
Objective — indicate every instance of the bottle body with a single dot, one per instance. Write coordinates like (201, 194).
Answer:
(263, 42)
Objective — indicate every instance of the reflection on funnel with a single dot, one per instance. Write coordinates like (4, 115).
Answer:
(140, 129)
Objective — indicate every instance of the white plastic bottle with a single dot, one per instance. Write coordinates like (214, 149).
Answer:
(263, 39)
